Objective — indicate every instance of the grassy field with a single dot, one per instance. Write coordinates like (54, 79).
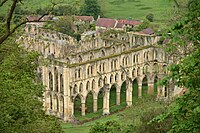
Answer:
(127, 116)
(118, 9)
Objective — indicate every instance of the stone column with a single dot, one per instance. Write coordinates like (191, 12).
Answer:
(106, 98)
(68, 104)
(150, 88)
(128, 92)
(83, 108)
(139, 88)
(118, 89)
(95, 106)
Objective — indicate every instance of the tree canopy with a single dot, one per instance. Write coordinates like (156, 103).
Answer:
(185, 48)
(91, 8)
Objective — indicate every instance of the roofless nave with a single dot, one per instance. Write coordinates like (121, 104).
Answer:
(95, 66)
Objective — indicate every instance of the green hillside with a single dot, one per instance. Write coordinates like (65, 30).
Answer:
(135, 9)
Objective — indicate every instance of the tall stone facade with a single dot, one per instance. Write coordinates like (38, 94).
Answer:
(74, 69)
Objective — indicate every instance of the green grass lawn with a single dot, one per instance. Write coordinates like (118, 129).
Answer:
(127, 116)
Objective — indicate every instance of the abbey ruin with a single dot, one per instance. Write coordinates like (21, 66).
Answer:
(94, 65)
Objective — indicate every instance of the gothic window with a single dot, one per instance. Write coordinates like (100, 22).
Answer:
(124, 47)
(68, 61)
(155, 54)
(91, 56)
(100, 82)
(116, 77)
(93, 84)
(113, 50)
(50, 81)
(61, 84)
(105, 80)
(88, 86)
(81, 87)
(80, 59)
(103, 53)
(79, 73)
(56, 78)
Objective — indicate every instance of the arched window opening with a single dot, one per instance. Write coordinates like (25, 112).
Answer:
(81, 88)
(61, 84)
(103, 53)
(88, 86)
(50, 81)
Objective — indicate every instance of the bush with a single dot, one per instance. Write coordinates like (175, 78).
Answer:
(154, 127)
(150, 17)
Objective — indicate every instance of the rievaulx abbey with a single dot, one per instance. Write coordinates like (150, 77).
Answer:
(101, 61)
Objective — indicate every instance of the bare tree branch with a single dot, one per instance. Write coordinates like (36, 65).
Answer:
(10, 31)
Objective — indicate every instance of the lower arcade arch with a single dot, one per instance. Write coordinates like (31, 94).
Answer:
(100, 99)
(135, 90)
(89, 103)
(113, 97)
(77, 106)
(123, 94)
(144, 86)
(156, 85)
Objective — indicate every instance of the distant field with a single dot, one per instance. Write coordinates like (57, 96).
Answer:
(118, 9)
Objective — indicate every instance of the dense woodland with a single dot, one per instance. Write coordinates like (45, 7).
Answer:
(21, 94)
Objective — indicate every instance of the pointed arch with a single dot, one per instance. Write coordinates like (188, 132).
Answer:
(100, 82)
(144, 86)
(88, 86)
(50, 81)
(61, 84)
(89, 103)
(112, 79)
(93, 84)
(135, 89)
(156, 84)
(56, 78)
(113, 96)
(116, 77)
(81, 87)
(100, 99)
(77, 106)
(123, 94)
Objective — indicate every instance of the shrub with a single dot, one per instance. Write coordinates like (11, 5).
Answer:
(150, 17)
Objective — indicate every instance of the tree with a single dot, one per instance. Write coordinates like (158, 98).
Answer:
(150, 17)
(21, 99)
(185, 47)
(91, 8)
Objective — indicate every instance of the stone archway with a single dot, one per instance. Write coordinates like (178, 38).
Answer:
(77, 106)
(62, 106)
(135, 90)
(156, 85)
(89, 103)
(113, 94)
(100, 99)
(144, 86)
(123, 94)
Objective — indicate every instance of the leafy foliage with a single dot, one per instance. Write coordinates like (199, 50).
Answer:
(21, 107)
(91, 8)
(185, 48)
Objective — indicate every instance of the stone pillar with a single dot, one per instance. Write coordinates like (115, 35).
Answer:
(150, 87)
(68, 104)
(45, 80)
(118, 89)
(83, 108)
(139, 90)
(128, 92)
(106, 98)
(95, 106)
